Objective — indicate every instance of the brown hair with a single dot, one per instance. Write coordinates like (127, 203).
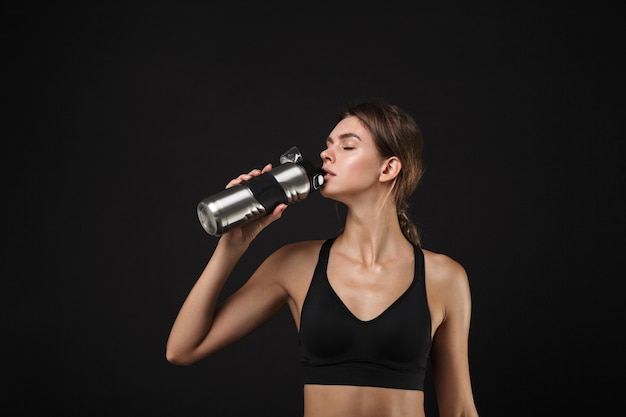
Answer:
(397, 134)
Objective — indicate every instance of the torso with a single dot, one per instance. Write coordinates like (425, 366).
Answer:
(366, 294)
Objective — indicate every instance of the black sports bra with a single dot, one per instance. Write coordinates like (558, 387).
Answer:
(391, 350)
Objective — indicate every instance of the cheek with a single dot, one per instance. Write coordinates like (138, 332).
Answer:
(365, 167)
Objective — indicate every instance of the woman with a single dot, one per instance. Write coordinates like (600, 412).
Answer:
(370, 305)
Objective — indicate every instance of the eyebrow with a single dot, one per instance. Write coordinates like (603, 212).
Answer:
(344, 136)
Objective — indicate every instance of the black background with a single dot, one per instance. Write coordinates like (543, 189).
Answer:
(123, 116)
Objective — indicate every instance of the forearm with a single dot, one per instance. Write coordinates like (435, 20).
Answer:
(195, 317)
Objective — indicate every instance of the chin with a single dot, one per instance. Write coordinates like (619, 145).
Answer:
(329, 195)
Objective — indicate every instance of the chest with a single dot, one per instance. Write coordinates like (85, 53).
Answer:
(368, 291)
(362, 318)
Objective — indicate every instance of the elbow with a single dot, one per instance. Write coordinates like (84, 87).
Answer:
(174, 359)
(178, 357)
(180, 352)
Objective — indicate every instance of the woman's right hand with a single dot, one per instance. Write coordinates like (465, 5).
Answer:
(246, 233)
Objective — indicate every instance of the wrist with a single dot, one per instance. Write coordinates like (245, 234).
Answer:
(232, 246)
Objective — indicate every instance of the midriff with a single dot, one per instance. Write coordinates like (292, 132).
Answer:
(353, 401)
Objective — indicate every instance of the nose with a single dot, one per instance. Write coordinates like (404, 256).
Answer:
(325, 155)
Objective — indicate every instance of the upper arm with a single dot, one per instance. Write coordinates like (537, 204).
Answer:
(449, 355)
(263, 294)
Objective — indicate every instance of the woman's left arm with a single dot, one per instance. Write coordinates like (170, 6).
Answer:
(449, 354)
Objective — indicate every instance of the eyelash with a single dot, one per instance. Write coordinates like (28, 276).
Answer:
(346, 148)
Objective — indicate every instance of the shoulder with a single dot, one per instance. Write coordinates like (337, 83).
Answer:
(446, 279)
(442, 268)
(298, 251)
(293, 259)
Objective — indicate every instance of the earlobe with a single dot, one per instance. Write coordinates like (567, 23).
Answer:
(391, 169)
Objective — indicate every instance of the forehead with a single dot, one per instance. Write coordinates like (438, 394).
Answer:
(350, 127)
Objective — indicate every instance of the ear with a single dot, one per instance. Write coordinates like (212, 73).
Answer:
(391, 169)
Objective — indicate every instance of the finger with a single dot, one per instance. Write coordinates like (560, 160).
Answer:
(238, 180)
(244, 177)
(266, 168)
(277, 213)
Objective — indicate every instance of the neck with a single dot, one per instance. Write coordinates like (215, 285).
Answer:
(373, 235)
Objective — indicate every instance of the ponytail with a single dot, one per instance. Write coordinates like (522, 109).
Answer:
(409, 230)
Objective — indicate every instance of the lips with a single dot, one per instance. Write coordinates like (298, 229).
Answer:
(328, 172)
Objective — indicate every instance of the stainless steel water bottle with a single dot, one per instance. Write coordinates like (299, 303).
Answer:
(291, 181)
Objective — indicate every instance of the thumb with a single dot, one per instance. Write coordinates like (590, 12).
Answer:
(276, 214)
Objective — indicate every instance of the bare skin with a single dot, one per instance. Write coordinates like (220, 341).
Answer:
(370, 265)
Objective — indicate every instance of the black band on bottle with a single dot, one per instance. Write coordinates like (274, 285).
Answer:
(267, 191)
